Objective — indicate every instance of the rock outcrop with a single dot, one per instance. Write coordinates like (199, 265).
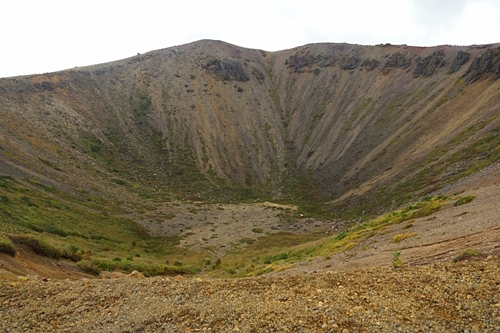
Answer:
(483, 66)
(397, 60)
(428, 65)
(461, 58)
(227, 70)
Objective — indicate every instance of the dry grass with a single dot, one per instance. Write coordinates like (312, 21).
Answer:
(401, 237)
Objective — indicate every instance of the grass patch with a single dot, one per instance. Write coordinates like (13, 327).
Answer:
(344, 240)
(467, 254)
(247, 240)
(464, 200)
(59, 225)
(89, 267)
(257, 230)
(266, 254)
(40, 246)
(6, 245)
(94, 267)
(401, 237)
(281, 256)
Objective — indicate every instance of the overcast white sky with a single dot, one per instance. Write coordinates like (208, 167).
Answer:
(43, 36)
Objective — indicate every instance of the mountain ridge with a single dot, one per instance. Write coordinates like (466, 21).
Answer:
(328, 119)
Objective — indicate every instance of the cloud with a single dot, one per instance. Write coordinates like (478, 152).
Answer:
(434, 15)
(51, 35)
(461, 22)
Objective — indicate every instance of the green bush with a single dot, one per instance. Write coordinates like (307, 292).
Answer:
(468, 254)
(89, 267)
(6, 246)
(464, 200)
(28, 201)
(119, 181)
(73, 253)
(38, 245)
(97, 265)
(281, 256)
(396, 260)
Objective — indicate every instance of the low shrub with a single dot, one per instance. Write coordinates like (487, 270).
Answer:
(6, 245)
(396, 260)
(88, 266)
(468, 254)
(464, 200)
(247, 240)
(38, 245)
(401, 237)
(281, 256)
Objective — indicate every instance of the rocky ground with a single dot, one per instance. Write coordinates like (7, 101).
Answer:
(451, 297)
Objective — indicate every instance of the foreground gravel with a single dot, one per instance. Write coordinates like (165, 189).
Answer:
(452, 297)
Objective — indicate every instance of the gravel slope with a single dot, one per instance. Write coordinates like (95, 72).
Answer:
(451, 297)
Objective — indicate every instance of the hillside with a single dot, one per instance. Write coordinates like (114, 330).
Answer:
(123, 160)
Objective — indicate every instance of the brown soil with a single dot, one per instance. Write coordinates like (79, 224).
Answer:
(27, 263)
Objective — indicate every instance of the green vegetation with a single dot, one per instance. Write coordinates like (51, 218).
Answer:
(96, 266)
(396, 259)
(426, 207)
(88, 267)
(267, 253)
(6, 245)
(464, 200)
(58, 225)
(468, 254)
(401, 237)
(38, 245)
(281, 256)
